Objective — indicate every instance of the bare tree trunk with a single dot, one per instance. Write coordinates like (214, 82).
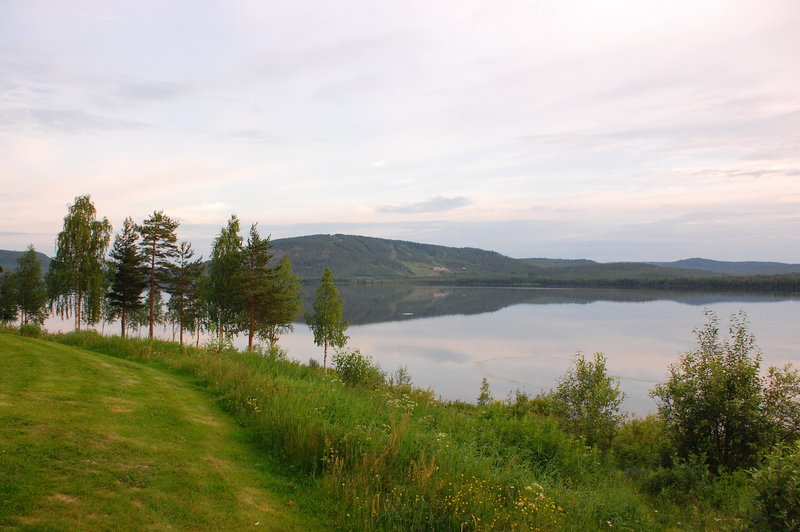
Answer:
(124, 320)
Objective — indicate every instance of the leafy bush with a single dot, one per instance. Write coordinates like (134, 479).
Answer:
(777, 483)
(642, 443)
(716, 404)
(587, 400)
(30, 329)
(357, 369)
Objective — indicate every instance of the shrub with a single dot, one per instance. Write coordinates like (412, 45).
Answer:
(357, 369)
(777, 483)
(642, 443)
(716, 404)
(30, 329)
(587, 401)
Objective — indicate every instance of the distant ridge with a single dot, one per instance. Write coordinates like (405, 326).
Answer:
(352, 256)
(8, 260)
(733, 268)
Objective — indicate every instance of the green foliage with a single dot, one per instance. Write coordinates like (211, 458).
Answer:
(31, 295)
(159, 246)
(8, 298)
(185, 303)
(129, 274)
(327, 323)
(357, 369)
(587, 400)
(225, 280)
(76, 280)
(485, 397)
(286, 298)
(777, 484)
(642, 443)
(32, 330)
(716, 404)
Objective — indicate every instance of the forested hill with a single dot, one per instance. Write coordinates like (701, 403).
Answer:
(354, 257)
(351, 256)
(8, 260)
(734, 268)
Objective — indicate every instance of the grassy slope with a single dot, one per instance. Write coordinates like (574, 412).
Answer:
(89, 441)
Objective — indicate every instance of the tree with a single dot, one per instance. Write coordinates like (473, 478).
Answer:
(184, 289)
(286, 302)
(31, 295)
(158, 245)
(587, 400)
(224, 279)
(8, 298)
(257, 293)
(326, 323)
(129, 277)
(76, 281)
(716, 404)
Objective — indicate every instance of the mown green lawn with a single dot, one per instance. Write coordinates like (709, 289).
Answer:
(91, 442)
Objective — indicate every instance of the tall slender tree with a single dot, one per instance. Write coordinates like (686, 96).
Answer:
(8, 297)
(257, 293)
(129, 274)
(76, 281)
(224, 279)
(327, 323)
(183, 288)
(159, 246)
(286, 302)
(31, 293)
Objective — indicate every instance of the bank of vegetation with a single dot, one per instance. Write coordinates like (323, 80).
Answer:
(379, 454)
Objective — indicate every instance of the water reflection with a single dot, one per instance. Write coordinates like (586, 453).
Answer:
(391, 302)
(449, 338)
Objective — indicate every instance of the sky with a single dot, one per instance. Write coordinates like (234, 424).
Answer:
(615, 130)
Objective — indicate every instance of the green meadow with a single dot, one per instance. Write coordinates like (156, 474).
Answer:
(103, 433)
(92, 442)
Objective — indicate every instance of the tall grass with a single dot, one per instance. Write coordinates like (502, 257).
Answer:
(394, 458)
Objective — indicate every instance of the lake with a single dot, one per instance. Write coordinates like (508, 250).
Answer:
(449, 338)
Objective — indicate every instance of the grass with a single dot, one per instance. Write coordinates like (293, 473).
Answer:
(89, 441)
(390, 457)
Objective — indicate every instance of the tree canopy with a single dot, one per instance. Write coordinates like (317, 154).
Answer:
(129, 274)
(158, 244)
(76, 280)
(327, 322)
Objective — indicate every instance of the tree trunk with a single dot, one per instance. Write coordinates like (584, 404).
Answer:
(152, 288)
(124, 320)
(78, 305)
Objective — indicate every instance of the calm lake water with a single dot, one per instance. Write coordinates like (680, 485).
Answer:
(449, 338)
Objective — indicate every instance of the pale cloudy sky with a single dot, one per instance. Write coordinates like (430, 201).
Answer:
(611, 130)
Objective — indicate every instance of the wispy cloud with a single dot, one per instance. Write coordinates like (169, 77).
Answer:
(437, 204)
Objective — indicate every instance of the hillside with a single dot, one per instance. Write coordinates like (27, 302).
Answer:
(92, 442)
(359, 257)
(733, 268)
(351, 256)
(8, 260)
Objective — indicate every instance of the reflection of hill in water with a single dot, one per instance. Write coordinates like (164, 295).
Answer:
(393, 302)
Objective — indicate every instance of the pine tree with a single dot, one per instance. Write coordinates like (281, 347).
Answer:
(8, 298)
(224, 279)
(76, 281)
(31, 295)
(326, 323)
(256, 289)
(287, 303)
(129, 273)
(184, 289)
(158, 245)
